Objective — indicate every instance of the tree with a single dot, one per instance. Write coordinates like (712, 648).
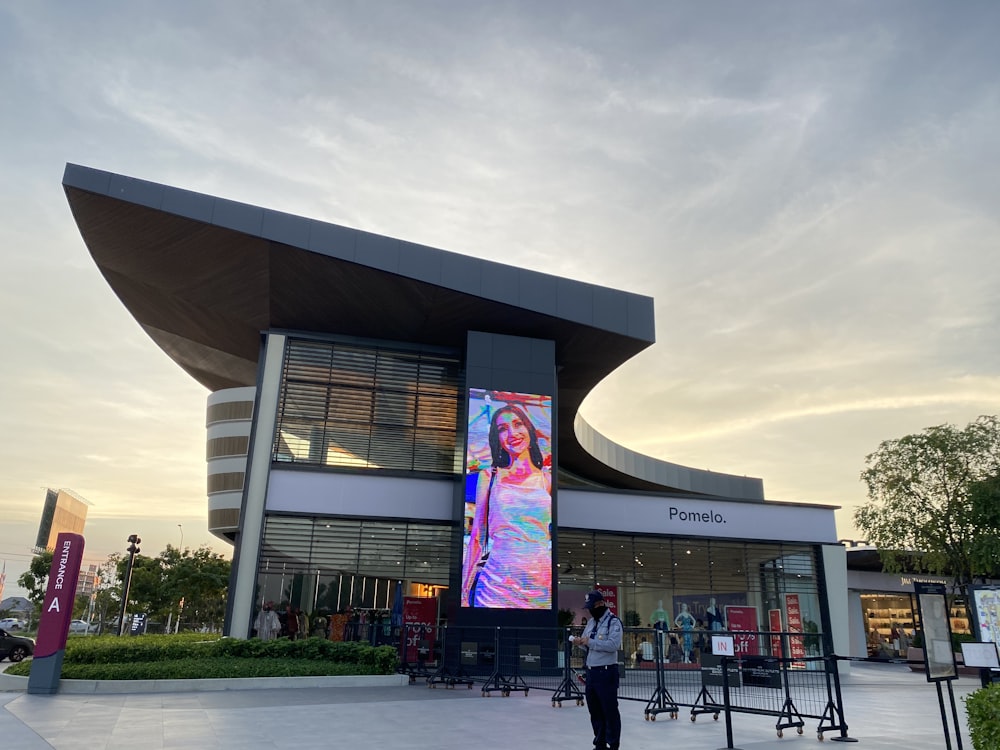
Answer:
(201, 579)
(147, 592)
(35, 579)
(985, 548)
(931, 500)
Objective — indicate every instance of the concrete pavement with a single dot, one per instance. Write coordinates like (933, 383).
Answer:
(886, 706)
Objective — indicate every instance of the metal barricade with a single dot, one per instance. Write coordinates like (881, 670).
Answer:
(517, 660)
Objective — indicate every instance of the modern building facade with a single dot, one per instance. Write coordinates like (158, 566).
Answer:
(353, 378)
(63, 511)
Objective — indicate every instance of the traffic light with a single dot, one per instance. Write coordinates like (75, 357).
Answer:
(133, 546)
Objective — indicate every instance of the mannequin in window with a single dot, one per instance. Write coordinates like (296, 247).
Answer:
(714, 616)
(685, 621)
(659, 618)
(267, 623)
(659, 614)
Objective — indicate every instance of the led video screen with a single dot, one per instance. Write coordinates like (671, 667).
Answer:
(507, 554)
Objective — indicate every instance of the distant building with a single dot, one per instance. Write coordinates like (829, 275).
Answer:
(90, 579)
(17, 605)
(64, 510)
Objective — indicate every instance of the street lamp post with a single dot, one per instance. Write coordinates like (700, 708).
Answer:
(133, 550)
(181, 527)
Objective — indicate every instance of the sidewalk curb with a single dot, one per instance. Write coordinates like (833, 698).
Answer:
(12, 684)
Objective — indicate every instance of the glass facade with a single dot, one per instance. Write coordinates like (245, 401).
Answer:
(345, 405)
(327, 564)
(368, 407)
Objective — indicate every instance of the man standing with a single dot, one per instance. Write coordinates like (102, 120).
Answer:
(602, 639)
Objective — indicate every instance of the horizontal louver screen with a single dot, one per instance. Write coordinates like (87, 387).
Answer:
(368, 408)
(375, 549)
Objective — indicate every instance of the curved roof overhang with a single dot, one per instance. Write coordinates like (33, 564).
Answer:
(205, 276)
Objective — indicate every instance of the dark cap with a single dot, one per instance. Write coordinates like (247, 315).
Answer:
(594, 599)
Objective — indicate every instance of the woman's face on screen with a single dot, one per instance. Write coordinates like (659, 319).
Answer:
(513, 433)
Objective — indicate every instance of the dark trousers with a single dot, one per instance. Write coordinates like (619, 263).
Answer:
(602, 702)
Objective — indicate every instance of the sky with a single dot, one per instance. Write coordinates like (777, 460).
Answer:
(808, 190)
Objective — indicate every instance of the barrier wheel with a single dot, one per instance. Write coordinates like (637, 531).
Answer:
(505, 693)
(780, 734)
(820, 736)
(646, 717)
(674, 715)
(800, 730)
(526, 691)
(485, 693)
(652, 717)
(715, 716)
(470, 686)
(579, 701)
(693, 718)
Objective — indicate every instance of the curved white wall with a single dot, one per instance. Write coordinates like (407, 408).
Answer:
(664, 473)
(229, 415)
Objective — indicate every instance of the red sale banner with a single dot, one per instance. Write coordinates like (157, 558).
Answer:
(797, 644)
(419, 619)
(774, 625)
(610, 594)
(743, 623)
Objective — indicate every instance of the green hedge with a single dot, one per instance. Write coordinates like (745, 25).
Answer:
(983, 710)
(193, 655)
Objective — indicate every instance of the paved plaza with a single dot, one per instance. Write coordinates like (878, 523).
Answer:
(886, 706)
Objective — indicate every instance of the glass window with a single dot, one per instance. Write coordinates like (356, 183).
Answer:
(328, 564)
(368, 407)
(655, 576)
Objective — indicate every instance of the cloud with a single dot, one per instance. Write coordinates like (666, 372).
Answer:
(807, 191)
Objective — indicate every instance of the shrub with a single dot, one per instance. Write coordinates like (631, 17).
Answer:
(983, 710)
(193, 655)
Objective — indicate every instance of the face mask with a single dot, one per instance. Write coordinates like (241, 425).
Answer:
(598, 612)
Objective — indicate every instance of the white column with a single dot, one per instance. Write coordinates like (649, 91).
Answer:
(835, 566)
(255, 486)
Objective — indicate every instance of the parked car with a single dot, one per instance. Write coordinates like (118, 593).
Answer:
(10, 624)
(82, 626)
(15, 647)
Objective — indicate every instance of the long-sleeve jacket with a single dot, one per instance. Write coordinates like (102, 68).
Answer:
(605, 637)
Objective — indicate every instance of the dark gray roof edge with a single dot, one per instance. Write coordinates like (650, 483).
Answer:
(623, 313)
(664, 473)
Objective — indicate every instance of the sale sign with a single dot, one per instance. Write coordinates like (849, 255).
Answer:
(797, 644)
(774, 625)
(743, 624)
(419, 621)
(610, 594)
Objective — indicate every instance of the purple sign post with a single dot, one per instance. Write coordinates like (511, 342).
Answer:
(57, 611)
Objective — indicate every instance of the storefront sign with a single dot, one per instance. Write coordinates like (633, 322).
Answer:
(610, 594)
(797, 644)
(419, 620)
(530, 657)
(761, 671)
(774, 623)
(138, 626)
(986, 608)
(939, 657)
(743, 623)
(711, 670)
(646, 514)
